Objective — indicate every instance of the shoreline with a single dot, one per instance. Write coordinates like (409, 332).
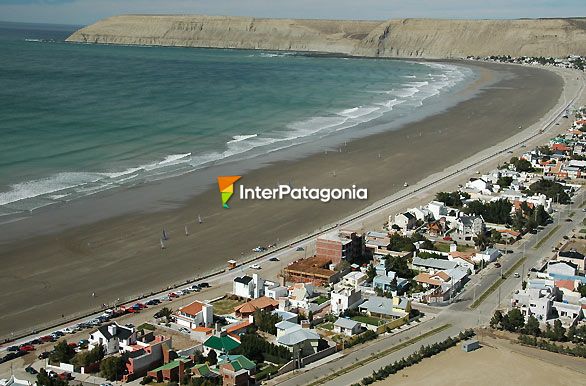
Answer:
(108, 240)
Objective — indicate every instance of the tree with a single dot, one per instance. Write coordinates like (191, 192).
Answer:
(481, 241)
(497, 319)
(558, 331)
(453, 199)
(43, 379)
(515, 320)
(164, 312)
(504, 182)
(86, 358)
(266, 320)
(582, 289)
(521, 165)
(112, 368)
(62, 353)
(541, 216)
(498, 212)
(532, 326)
(370, 272)
(213, 358)
(398, 265)
(551, 189)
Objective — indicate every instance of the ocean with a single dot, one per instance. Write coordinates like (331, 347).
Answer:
(78, 120)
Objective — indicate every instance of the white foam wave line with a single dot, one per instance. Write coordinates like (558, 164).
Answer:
(239, 138)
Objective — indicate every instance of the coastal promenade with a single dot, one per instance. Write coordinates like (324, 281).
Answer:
(380, 210)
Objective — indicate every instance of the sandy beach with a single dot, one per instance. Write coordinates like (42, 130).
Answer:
(49, 276)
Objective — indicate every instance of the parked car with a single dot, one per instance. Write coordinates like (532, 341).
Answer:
(12, 348)
(516, 274)
(44, 355)
(195, 288)
(299, 249)
(27, 348)
(65, 376)
(255, 266)
(31, 370)
(204, 285)
(498, 265)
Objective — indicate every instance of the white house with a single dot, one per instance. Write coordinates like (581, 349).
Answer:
(195, 314)
(405, 221)
(470, 226)
(480, 184)
(248, 287)
(437, 209)
(561, 268)
(347, 326)
(568, 313)
(354, 279)
(276, 291)
(300, 295)
(344, 298)
(113, 337)
(488, 255)
(284, 327)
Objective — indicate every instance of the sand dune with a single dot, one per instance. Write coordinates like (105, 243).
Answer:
(422, 38)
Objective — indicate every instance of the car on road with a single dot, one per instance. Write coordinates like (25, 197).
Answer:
(497, 265)
(274, 259)
(184, 330)
(204, 285)
(568, 220)
(259, 249)
(255, 266)
(516, 274)
(105, 384)
(300, 249)
(31, 370)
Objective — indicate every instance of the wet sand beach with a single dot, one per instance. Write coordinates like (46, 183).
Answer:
(47, 276)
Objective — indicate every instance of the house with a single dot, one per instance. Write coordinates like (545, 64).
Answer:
(276, 291)
(250, 307)
(301, 342)
(145, 356)
(536, 299)
(480, 184)
(13, 381)
(248, 287)
(286, 315)
(340, 245)
(236, 370)
(344, 298)
(113, 337)
(171, 370)
(568, 313)
(437, 209)
(432, 264)
(487, 256)
(390, 283)
(561, 268)
(313, 269)
(463, 259)
(238, 328)
(195, 314)
(221, 343)
(405, 221)
(437, 228)
(284, 327)
(394, 308)
(354, 279)
(572, 256)
(347, 327)
(469, 226)
(300, 295)
(203, 371)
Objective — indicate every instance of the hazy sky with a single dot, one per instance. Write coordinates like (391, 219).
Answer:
(88, 11)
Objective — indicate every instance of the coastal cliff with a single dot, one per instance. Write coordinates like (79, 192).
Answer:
(419, 38)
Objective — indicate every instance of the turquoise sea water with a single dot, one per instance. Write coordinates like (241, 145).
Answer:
(80, 119)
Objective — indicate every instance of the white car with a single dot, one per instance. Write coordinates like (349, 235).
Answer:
(517, 274)
(255, 266)
(179, 293)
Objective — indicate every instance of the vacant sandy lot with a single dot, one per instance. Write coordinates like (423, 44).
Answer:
(496, 364)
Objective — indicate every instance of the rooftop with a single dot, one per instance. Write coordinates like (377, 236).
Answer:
(298, 336)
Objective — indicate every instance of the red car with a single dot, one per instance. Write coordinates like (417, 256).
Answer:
(27, 348)
(447, 238)
(65, 376)
(173, 295)
(72, 344)
(47, 338)
(132, 311)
